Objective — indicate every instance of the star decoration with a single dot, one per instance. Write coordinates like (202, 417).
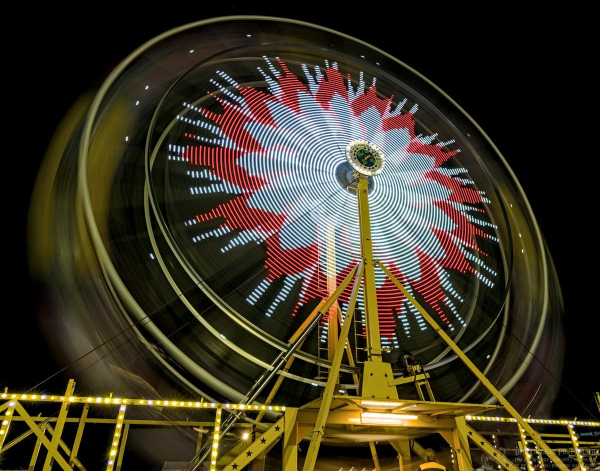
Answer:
(263, 440)
(470, 433)
(495, 454)
(235, 466)
(481, 443)
(277, 428)
(248, 454)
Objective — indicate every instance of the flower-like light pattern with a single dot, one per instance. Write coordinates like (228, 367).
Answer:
(275, 153)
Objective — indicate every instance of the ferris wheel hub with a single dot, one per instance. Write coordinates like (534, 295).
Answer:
(365, 157)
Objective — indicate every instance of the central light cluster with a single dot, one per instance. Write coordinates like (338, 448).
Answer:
(365, 158)
(272, 155)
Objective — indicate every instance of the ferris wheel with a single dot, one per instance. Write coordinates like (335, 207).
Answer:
(221, 171)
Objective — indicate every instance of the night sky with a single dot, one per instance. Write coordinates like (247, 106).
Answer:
(524, 76)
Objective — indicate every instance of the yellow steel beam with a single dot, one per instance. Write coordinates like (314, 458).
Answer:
(488, 448)
(402, 447)
(348, 348)
(332, 379)
(575, 441)
(6, 420)
(374, 455)
(522, 443)
(66, 449)
(369, 289)
(354, 418)
(145, 422)
(419, 450)
(216, 437)
(79, 434)
(288, 364)
(408, 379)
(461, 445)
(290, 440)
(486, 382)
(109, 401)
(36, 449)
(114, 447)
(487, 418)
(122, 448)
(60, 425)
(257, 447)
(52, 451)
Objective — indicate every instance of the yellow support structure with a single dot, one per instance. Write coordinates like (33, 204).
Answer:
(114, 448)
(122, 448)
(461, 445)
(6, 420)
(66, 449)
(374, 455)
(574, 441)
(319, 428)
(487, 447)
(290, 440)
(369, 288)
(36, 451)
(258, 446)
(60, 425)
(525, 449)
(52, 450)
(446, 338)
(216, 437)
(288, 364)
(79, 435)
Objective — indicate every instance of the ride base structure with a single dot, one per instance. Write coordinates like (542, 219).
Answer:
(377, 415)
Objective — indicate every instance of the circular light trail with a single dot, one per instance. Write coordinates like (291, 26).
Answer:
(272, 152)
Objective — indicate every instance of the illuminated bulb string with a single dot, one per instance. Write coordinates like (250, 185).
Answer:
(270, 151)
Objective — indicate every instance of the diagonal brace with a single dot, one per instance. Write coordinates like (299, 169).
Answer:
(52, 451)
(257, 447)
(486, 382)
(487, 447)
(332, 379)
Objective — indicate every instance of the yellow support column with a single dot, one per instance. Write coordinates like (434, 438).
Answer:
(122, 447)
(525, 449)
(6, 420)
(114, 448)
(376, 373)
(78, 435)
(461, 445)
(402, 447)
(369, 288)
(52, 451)
(574, 441)
(290, 440)
(60, 425)
(216, 437)
(36, 451)
(375, 457)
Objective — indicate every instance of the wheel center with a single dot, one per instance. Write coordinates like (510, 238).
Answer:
(365, 158)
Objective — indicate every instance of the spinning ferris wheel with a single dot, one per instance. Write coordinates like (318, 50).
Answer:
(253, 188)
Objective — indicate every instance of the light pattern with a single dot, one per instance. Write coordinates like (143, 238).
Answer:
(274, 152)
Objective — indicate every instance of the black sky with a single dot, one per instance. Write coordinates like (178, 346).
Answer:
(524, 75)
